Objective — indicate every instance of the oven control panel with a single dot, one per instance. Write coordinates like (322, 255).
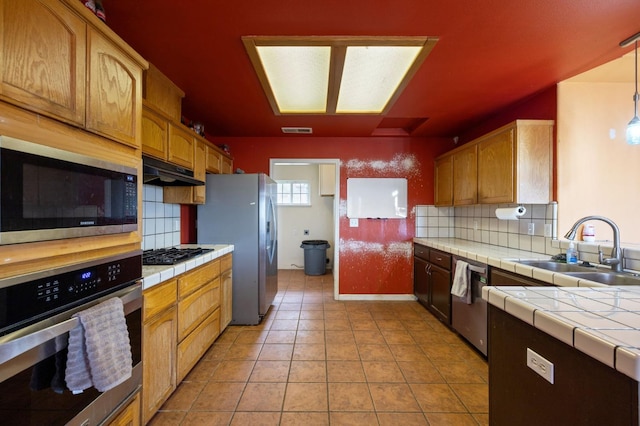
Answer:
(37, 296)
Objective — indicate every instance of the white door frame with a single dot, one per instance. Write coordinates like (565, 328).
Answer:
(336, 210)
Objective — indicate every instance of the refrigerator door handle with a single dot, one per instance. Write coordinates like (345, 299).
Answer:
(272, 231)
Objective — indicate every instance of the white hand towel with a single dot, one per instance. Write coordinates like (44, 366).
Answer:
(462, 281)
(99, 348)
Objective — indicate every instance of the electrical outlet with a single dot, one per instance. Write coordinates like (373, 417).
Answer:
(305, 232)
(531, 228)
(540, 365)
(548, 230)
(353, 223)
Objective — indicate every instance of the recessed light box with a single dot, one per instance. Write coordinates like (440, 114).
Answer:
(335, 75)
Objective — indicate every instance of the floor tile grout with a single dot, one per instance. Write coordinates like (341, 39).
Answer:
(371, 362)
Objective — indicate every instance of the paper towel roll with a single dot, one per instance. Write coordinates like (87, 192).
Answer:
(510, 213)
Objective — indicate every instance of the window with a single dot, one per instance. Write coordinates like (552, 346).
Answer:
(294, 193)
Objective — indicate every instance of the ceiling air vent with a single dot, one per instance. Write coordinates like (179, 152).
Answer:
(298, 130)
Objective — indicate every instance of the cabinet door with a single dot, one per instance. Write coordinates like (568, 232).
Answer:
(115, 91)
(199, 171)
(193, 309)
(465, 176)
(440, 293)
(190, 194)
(226, 299)
(180, 146)
(327, 177)
(155, 134)
(421, 280)
(43, 58)
(227, 165)
(214, 160)
(443, 179)
(159, 361)
(496, 168)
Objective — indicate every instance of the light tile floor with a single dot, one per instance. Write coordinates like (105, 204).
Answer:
(317, 361)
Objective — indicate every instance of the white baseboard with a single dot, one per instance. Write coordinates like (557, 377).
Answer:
(378, 297)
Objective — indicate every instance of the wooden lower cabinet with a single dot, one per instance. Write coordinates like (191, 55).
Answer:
(432, 281)
(130, 416)
(198, 314)
(159, 339)
(226, 291)
(194, 346)
(584, 391)
(181, 320)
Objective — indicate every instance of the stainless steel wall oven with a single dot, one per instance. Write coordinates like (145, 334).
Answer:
(36, 315)
(47, 194)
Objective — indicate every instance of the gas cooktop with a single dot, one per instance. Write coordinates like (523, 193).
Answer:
(171, 256)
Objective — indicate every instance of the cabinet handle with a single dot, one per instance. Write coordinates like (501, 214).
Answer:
(439, 259)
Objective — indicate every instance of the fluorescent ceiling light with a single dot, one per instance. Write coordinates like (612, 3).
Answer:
(297, 76)
(371, 76)
(335, 75)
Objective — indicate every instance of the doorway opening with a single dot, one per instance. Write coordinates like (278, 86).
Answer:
(314, 219)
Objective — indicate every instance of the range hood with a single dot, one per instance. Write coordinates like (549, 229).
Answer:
(161, 173)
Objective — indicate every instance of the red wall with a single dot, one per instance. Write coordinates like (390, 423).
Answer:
(377, 256)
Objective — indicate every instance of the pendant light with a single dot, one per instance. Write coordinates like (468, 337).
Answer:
(633, 128)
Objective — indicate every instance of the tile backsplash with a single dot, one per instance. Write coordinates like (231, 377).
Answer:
(161, 222)
(479, 223)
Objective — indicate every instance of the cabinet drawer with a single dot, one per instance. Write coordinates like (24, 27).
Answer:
(158, 298)
(195, 279)
(421, 251)
(225, 262)
(440, 258)
(195, 307)
(191, 349)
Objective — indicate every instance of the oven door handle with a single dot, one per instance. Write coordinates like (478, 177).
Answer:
(131, 300)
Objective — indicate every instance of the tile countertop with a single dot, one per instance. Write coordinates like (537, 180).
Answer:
(604, 323)
(155, 274)
(506, 258)
(600, 320)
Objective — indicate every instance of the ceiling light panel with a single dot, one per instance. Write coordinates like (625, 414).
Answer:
(335, 75)
(298, 76)
(371, 75)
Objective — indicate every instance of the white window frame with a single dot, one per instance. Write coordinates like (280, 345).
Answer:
(293, 203)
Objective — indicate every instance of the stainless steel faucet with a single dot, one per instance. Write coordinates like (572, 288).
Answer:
(615, 261)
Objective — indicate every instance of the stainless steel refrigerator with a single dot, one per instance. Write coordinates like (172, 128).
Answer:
(240, 209)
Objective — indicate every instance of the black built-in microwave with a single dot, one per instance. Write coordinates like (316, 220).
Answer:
(48, 194)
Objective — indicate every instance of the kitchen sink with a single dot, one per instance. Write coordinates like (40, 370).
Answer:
(610, 278)
(585, 272)
(557, 266)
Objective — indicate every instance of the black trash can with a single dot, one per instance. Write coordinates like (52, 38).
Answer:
(315, 254)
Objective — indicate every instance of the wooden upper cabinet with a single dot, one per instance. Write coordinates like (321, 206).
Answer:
(115, 91)
(155, 133)
(496, 155)
(465, 176)
(443, 179)
(43, 58)
(162, 93)
(227, 165)
(214, 160)
(181, 142)
(190, 194)
(515, 163)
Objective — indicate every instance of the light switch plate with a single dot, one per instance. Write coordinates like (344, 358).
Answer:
(353, 223)
(540, 365)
